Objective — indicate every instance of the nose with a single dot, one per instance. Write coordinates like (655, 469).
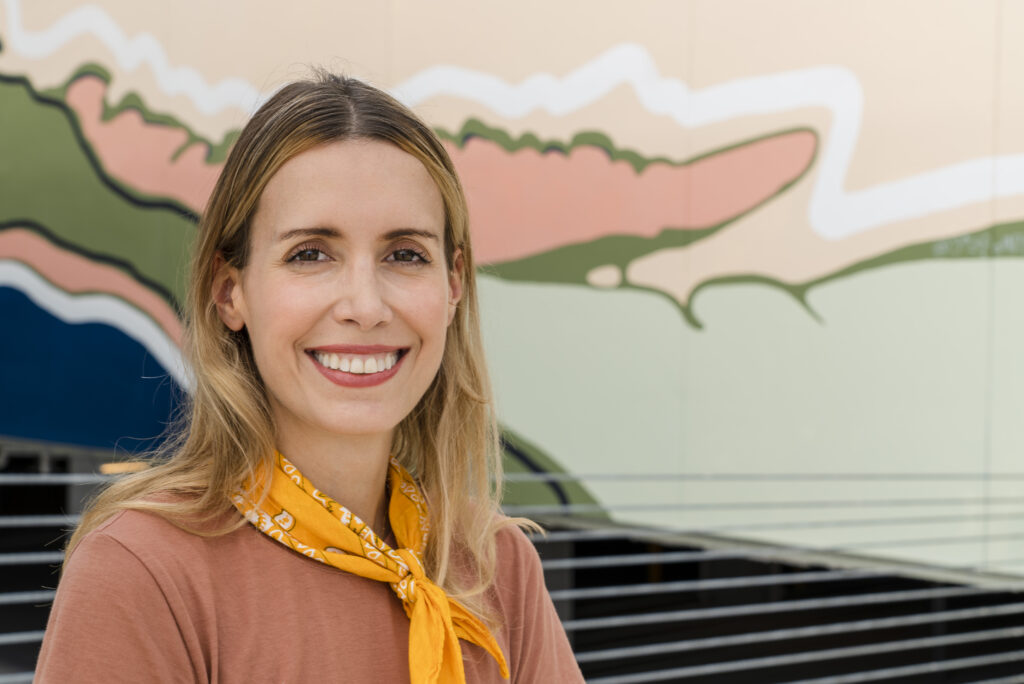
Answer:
(361, 297)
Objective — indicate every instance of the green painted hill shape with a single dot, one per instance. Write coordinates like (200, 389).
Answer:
(1001, 241)
(59, 184)
(521, 456)
(474, 128)
(217, 152)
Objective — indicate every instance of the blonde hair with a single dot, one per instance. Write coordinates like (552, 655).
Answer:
(449, 441)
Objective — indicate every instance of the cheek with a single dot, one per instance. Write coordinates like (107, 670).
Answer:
(435, 315)
(426, 312)
(276, 319)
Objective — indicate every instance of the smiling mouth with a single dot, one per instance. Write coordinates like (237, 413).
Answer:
(359, 364)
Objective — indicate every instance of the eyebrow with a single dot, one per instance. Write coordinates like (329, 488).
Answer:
(316, 231)
(321, 231)
(411, 232)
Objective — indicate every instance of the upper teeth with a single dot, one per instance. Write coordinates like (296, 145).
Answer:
(357, 363)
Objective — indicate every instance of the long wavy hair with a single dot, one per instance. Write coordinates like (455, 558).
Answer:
(226, 434)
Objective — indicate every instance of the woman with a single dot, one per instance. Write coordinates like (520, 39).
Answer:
(338, 378)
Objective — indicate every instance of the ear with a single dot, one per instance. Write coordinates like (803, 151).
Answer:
(227, 294)
(455, 281)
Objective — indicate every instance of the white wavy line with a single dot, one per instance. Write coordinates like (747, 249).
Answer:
(130, 53)
(833, 213)
(96, 308)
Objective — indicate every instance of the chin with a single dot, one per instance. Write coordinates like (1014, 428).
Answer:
(361, 426)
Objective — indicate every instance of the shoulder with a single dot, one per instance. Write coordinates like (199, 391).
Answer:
(135, 527)
(106, 553)
(147, 537)
(513, 542)
(518, 563)
(519, 572)
(126, 538)
(128, 557)
(154, 559)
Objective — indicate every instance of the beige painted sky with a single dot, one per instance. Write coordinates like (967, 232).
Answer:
(909, 69)
(937, 81)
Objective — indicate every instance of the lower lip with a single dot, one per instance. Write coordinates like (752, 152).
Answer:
(339, 377)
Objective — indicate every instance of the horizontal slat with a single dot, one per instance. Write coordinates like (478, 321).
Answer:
(1017, 560)
(823, 654)
(859, 522)
(52, 478)
(548, 509)
(759, 477)
(16, 597)
(8, 521)
(17, 678)
(774, 607)
(714, 584)
(925, 668)
(1014, 679)
(588, 535)
(798, 633)
(851, 522)
(31, 558)
(12, 638)
(927, 541)
(627, 559)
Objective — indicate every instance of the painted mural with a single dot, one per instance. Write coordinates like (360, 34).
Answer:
(719, 240)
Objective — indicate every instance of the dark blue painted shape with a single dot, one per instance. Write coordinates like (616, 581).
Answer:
(86, 384)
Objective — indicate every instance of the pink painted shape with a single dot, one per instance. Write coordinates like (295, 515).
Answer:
(72, 272)
(527, 202)
(521, 203)
(139, 153)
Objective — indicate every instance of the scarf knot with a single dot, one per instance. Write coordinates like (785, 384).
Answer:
(306, 520)
(411, 573)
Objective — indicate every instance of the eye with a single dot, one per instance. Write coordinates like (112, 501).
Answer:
(408, 255)
(306, 253)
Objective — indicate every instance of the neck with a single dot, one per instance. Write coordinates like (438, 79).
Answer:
(351, 469)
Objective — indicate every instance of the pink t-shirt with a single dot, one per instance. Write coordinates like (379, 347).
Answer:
(143, 601)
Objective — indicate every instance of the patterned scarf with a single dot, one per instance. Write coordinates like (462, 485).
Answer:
(302, 518)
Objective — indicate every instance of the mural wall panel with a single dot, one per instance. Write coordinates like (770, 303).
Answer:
(718, 237)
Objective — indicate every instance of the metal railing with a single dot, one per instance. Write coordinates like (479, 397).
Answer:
(755, 546)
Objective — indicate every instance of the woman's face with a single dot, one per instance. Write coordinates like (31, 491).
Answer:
(346, 296)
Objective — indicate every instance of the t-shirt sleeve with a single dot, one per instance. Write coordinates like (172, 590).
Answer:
(111, 623)
(539, 650)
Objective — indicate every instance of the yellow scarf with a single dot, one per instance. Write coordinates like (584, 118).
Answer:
(301, 517)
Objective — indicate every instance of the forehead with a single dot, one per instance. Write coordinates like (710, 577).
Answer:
(355, 186)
